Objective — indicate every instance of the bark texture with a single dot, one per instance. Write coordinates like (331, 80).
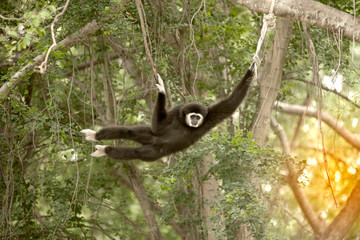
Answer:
(210, 188)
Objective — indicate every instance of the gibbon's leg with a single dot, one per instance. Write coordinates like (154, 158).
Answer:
(141, 134)
(145, 153)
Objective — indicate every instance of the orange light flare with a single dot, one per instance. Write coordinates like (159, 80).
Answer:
(337, 170)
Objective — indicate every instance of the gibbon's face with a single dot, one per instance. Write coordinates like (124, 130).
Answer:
(194, 119)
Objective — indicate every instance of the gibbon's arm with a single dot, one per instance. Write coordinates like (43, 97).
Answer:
(219, 111)
(159, 113)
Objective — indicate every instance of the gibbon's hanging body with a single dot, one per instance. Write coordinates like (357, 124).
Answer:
(171, 131)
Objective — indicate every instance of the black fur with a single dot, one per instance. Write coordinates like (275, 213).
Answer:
(169, 133)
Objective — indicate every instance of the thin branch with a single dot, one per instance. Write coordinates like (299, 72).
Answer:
(279, 130)
(85, 65)
(109, 205)
(97, 226)
(42, 68)
(10, 19)
(141, 12)
(323, 87)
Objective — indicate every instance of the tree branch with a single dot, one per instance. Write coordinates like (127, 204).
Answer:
(67, 43)
(341, 225)
(10, 19)
(315, 222)
(351, 211)
(351, 138)
(86, 65)
(310, 12)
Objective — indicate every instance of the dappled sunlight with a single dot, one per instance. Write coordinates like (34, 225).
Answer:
(351, 170)
(337, 176)
(311, 161)
(354, 122)
(340, 165)
(333, 82)
(358, 161)
(305, 177)
(329, 166)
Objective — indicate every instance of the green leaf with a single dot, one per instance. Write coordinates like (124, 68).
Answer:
(52, 8)
(36, 22)
(45, 14)
(107, 10)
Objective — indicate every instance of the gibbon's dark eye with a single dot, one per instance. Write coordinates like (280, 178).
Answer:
(195, 117)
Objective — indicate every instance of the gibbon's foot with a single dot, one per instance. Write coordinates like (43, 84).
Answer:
(89, 135)
(160, 85)
(100, 151)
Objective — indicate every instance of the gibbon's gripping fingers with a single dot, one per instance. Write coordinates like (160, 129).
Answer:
(252, 66)
(160, 84)
(89, 135)
(100, 151)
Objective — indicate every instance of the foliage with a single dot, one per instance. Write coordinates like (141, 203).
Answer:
(241, 167)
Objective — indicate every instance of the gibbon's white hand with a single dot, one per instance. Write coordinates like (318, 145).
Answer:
(160, 85)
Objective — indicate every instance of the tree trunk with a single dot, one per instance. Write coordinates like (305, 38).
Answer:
(144, 201)
(210, 187)
(270, 80)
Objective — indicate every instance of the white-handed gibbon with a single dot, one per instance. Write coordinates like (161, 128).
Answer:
(171, 131)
